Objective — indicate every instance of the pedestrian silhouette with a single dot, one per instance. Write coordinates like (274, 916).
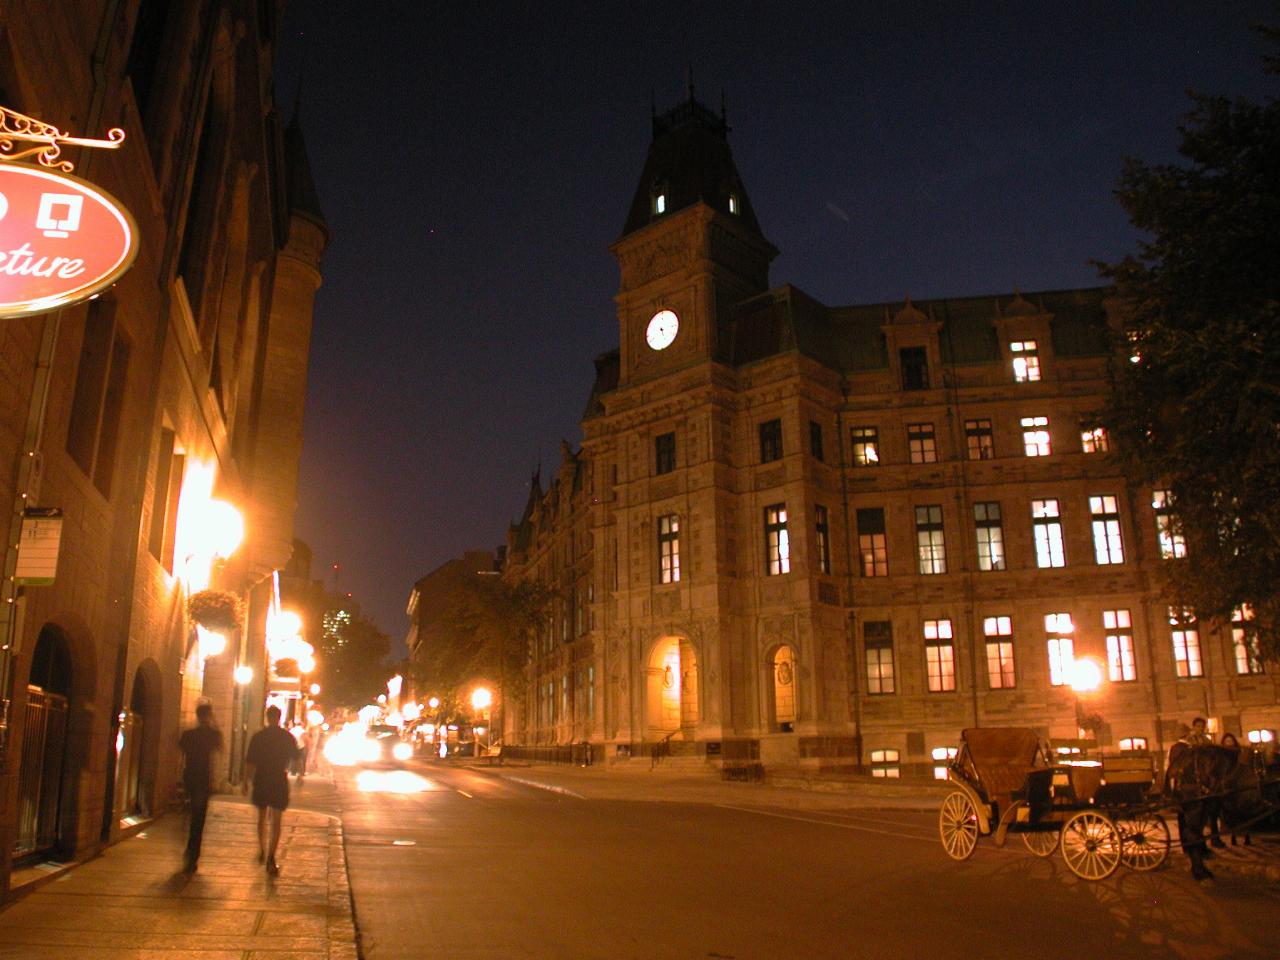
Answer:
(198, 745)
(271, 752)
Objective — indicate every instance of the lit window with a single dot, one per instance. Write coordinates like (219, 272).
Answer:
(770, 441)
(877, 635)
(664, 453)
(939, 656)
(990, 534)
(884, 763)
(1186, 643)
(669, 549)
(1093, 437)
(1261, 736)
(776, 540)
(866, 446)
(1107, 546)
(1120, 663)
(733, 204)
(1035, 436)
(942, 757)
(822, 533)
(1133, 743)
(921, 443)
(659, 203)
(1000, 669)
(871, 542)
(1047, 526)
(979, 440)
(931, 548)
(1026, 361)
(1244, 641)
(1059, 629)
(1172, 544)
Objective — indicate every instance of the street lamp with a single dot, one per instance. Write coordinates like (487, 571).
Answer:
(1085, 677)
(481, 700)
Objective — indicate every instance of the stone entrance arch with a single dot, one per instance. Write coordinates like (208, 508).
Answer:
(42, 772)
(671, 689)
(138, 745)
(782, 689)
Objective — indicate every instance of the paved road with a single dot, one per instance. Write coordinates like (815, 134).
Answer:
(472, 865)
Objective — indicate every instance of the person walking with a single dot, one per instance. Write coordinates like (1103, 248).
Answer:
(198, 745)
(271, 752)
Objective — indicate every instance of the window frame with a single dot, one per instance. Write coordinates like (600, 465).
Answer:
(989, 534)
(1037, 441)
(873, 544)
(669, 548)
(979, 439)
(880, 683)
(1027, 353)
(922, 443)
(1122, 663)
(664, 453)
(815, 441)
(822, 537)
(1108, 540)
(864, 449)
(777, 541)
(931, 540)
(1188, 655)
(939, 656)
(1060, 647)
(770, 440)
(1046, 529)
(1002, 669)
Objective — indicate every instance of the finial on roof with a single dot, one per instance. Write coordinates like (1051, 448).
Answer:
(909, 313)
(1019, 306)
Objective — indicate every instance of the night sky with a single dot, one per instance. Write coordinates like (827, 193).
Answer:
(475, 160)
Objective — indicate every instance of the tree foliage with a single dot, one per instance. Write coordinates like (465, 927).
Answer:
(351, 658)
(1196, 401)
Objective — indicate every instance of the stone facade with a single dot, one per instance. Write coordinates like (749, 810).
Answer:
(182, 383)
(836, 536)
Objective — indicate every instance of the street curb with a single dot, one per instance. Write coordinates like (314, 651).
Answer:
(552, 788)
(343, 930)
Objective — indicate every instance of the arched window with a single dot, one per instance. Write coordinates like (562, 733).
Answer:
(783, 669)
(658, 198)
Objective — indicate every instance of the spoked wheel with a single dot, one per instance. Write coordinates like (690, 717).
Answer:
(1091, 845)
(1042, 842)
(1145, 839)
(958, 826)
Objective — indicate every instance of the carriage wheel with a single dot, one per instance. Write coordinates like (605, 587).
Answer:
(1146, 841)
(958, 826)
(1091, 845)
(1041, 842)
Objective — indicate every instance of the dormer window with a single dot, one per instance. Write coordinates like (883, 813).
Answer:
(734, 207)
(1026, 361)
(658, 199)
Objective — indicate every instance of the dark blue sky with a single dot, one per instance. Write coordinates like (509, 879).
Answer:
(475, 160)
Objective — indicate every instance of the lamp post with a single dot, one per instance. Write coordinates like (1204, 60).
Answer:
(1085, 679)
(481, 701)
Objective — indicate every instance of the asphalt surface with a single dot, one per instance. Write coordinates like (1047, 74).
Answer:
(471, 864)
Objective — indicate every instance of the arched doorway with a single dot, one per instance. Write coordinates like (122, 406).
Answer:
(44, 744)
(782, 701)
(671, 689)
(137, 745)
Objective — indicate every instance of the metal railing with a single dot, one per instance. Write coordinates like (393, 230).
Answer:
(661, 749)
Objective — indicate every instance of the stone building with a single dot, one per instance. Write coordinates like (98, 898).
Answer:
(181, 385)
(834, 536)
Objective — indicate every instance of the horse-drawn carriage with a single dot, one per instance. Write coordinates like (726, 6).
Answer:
(1100, 813)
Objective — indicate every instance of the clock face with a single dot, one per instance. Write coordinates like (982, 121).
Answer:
(662, 329)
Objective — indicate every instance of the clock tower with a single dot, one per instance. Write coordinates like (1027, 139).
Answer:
(691, 248)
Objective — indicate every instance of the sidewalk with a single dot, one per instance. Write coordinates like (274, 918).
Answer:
(132, 903)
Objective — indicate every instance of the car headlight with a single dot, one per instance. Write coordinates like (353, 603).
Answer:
(402, 751)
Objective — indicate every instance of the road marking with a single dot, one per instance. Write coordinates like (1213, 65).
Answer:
(404, 843)
(828, 823)
(564, 791)
(467, 795)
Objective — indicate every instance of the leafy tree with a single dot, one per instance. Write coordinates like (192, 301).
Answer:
(1196, 401)
(351, 657)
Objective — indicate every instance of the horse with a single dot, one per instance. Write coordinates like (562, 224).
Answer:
(1207, 781)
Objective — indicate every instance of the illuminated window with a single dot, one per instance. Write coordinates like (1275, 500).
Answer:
(1107, 545)
(1172, 544)
(884, 763)
(1035, 436)
(1026, 361)
(1093, 437)
(1133, 743)
(1261, 736)
(770, 441)
(1047, 527)
(990, 533)
(1000, 669)
(866, 446)
(1120, 663)
(871, 542)
(784, 689)
(921, 443)
(915, 368)
(1186, 643)
(939, 656)
(659, 202)
(931, 548)
(822, 537)
(669, 548)
(815, 440)
(733, 204)
(979, 440)
(664, 453)
(1058, 629)
(1244, 641)
(777, 544)
(942, 757)
(877, 635)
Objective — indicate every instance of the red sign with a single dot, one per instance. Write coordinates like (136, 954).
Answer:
(61, 240)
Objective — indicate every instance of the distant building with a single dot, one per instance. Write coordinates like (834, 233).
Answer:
(182, 384)
(835, 536)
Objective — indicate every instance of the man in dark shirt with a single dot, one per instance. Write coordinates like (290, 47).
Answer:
(198, 745)
(271, 752)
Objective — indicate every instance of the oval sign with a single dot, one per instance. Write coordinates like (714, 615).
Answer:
(61, 240)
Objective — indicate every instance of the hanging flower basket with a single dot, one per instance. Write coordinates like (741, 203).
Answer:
(216, 610)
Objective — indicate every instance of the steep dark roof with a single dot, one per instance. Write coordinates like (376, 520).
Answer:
(608, 369)
(689, 161)
(299, 181)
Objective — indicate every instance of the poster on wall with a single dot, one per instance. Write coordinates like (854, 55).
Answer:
(38, 547)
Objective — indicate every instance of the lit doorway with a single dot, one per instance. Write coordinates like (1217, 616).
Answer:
(782, 670)
(671, 689)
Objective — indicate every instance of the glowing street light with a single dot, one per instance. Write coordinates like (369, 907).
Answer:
(481, 698)
(434, 703)
(244, 675)
(1085, 675)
